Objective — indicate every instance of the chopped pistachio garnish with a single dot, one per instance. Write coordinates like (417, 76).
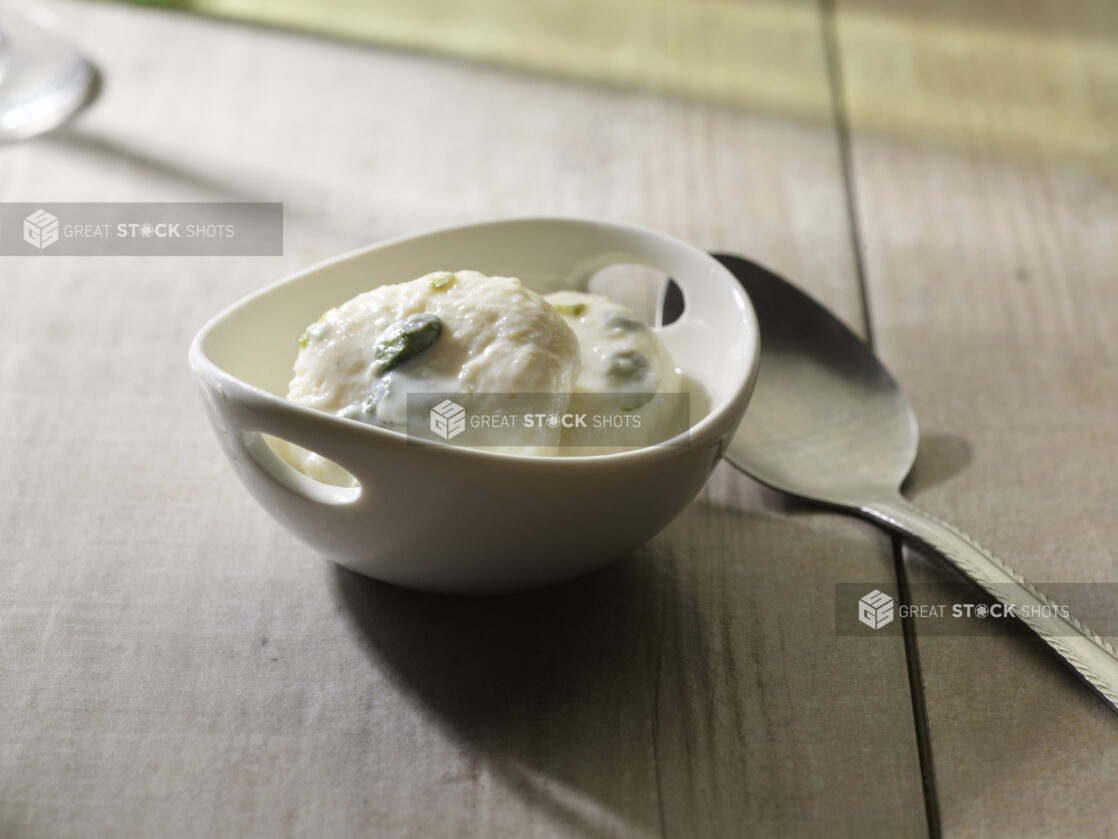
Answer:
(572, 310)
(619, 322)
(631, 368)
(627, 364)
(415, 334)
(440, 279)
(315, 331)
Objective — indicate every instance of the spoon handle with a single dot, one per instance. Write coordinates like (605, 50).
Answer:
(1092, 657)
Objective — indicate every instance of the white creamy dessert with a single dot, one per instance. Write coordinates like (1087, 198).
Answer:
(622, 358)
(465, 333)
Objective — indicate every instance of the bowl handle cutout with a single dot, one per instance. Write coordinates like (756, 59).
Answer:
(671, 304)
(636, 286)
(273, 459)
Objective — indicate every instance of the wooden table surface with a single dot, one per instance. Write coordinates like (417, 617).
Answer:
(174, 664)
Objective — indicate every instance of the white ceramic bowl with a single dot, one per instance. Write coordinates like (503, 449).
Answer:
(448, 518)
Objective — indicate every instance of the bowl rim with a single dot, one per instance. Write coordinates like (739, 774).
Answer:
(709, 427)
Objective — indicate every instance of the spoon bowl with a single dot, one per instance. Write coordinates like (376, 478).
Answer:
(827, 420)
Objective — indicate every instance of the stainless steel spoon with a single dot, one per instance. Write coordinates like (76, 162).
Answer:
(827, 423)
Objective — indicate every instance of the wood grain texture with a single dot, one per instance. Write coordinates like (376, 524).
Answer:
(993, 302)
(176, 665)
(759, 54)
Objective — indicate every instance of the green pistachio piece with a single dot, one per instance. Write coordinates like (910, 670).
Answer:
(626, 365)
(366, 411)
(619, 322)
(413, 335)
(572, 310)
(315, 331)
(440, 279)
(631, 369)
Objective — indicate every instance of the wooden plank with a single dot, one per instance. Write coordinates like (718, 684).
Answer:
(761, 54)
(179, 666)
(991, 281)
